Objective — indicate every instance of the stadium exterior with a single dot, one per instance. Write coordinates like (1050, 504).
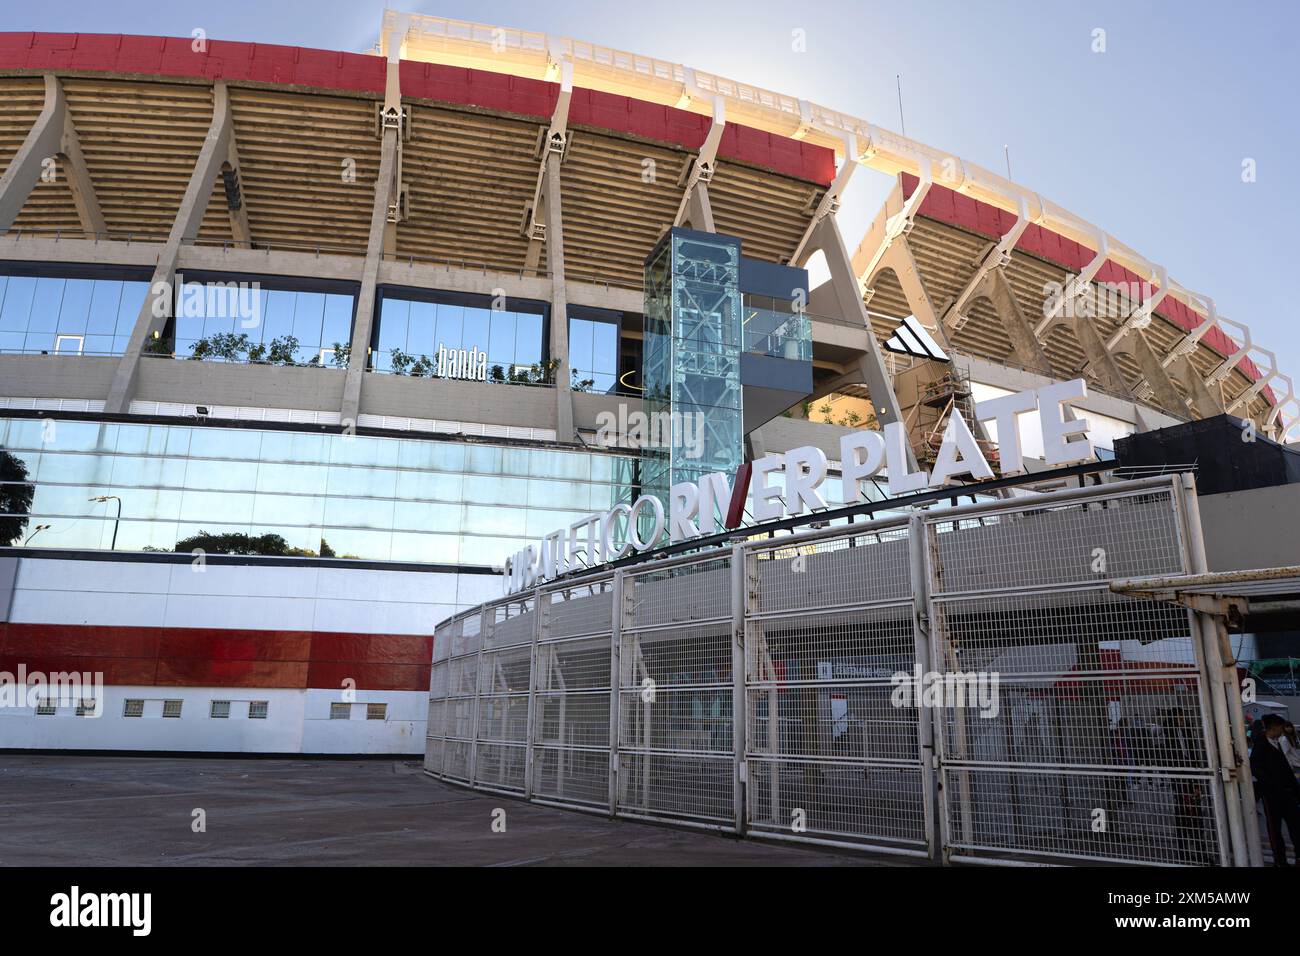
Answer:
(298, 347)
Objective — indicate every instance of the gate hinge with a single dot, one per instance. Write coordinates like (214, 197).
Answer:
(744, 771)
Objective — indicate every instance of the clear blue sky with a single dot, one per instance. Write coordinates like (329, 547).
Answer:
(1146, 139)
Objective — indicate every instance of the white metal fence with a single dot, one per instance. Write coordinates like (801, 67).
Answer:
(802, 688)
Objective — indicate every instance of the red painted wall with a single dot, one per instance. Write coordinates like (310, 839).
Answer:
(325, 70)
(212, 657)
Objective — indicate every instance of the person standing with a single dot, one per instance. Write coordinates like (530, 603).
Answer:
(1290, 747)
(1277, 787)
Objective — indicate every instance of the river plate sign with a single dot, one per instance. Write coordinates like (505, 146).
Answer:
(788, 484)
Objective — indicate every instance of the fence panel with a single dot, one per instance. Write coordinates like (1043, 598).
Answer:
(462, 696)
(676, 751)
(502, 672)
(829, 754)
(571, 695)
(444, 636)
(1074, 724)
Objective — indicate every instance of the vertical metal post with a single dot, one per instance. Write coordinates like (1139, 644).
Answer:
(739, 592)
(531, 746)
(917, 545)
(478, 683)
(1222, 678)
(1246, 784)
(615, 681)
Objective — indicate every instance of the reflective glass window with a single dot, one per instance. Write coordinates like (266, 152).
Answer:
(425, 327)
(281, 492)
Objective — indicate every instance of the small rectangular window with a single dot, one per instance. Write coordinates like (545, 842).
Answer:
(45, 708)
(133, 708)
(257, 709)
(340, 711)
(220, 708)
(68, 344)
(172, 708)
(376, 711)
(86, 708)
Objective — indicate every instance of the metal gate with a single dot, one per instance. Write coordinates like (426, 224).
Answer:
(1099, 747)
(571, 694)
(676, 749)
(829, 756)
(959, 684)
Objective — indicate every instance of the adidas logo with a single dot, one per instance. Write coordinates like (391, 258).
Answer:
(911, 338)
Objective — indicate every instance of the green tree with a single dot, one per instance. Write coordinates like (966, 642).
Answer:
(400, 361)
(16, 494)
(234, 543)
(282, 350)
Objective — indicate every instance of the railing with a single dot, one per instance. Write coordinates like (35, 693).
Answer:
(785, 335)
(86, 353)
(243, 360)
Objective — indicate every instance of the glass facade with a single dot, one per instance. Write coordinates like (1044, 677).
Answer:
(68, 315)
(593, 354)
(775, 327)
(413, 325)
(692, 348)
(439, 502)
(235, 319)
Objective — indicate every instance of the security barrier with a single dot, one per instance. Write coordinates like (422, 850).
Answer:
(960, 684)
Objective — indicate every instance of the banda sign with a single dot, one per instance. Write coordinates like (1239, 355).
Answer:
(779, 485)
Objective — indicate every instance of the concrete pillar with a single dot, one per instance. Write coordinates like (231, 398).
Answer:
(239, 230)
(185, 227)
(899, 259)
(1161, 384)
(1100, 361)
(559, 340)
(848, 298)
(51, 136)
(699, 211)
(1028, 350)
(363, 326)
(1204, 401)
(382, 237)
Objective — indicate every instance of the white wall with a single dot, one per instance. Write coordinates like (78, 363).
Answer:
(297, 721)
(245, 597)
(129, 593)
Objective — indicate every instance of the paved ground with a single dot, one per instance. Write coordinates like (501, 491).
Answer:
(105, 811)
